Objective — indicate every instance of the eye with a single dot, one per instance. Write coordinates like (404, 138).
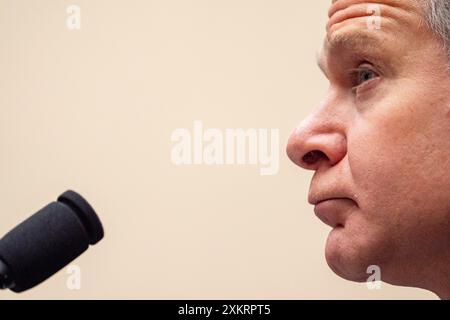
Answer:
(365, 75)
(362, 76)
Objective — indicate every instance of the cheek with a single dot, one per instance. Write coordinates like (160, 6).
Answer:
(389, 159)
(400, 167)
(399, 148)
(378, 172)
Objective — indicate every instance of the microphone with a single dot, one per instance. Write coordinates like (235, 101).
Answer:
(48, 241)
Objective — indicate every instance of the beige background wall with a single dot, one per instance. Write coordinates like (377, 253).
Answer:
(94, 109)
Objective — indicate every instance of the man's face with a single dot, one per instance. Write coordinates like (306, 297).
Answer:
(379, 141)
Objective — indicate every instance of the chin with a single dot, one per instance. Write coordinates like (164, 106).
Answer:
(349, 254)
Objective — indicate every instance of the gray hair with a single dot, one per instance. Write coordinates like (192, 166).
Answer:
(438, 18)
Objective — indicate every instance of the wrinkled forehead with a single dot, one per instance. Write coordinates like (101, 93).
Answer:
(406, 4)
(356, 22)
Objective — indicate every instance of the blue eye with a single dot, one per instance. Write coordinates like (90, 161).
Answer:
(364, 75)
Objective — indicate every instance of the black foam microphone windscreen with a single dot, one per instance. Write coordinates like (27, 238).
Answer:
(48, 241)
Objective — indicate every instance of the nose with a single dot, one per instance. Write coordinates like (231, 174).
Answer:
(317, 142)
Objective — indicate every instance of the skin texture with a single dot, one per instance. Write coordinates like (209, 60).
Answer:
(379, 143)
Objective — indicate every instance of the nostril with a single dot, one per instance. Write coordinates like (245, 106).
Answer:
(313, 156)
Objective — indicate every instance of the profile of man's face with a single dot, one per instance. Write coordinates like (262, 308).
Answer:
(379, 143)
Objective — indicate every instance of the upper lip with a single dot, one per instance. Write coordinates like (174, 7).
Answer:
(327, 199)
(315, 198)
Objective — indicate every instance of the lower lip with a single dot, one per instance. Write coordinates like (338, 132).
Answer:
(329, 212)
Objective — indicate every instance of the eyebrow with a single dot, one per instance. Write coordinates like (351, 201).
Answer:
(365, 42)
(358, 39)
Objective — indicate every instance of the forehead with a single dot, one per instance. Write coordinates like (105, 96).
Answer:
(360, 15)
(407, 5)
(349, 24)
